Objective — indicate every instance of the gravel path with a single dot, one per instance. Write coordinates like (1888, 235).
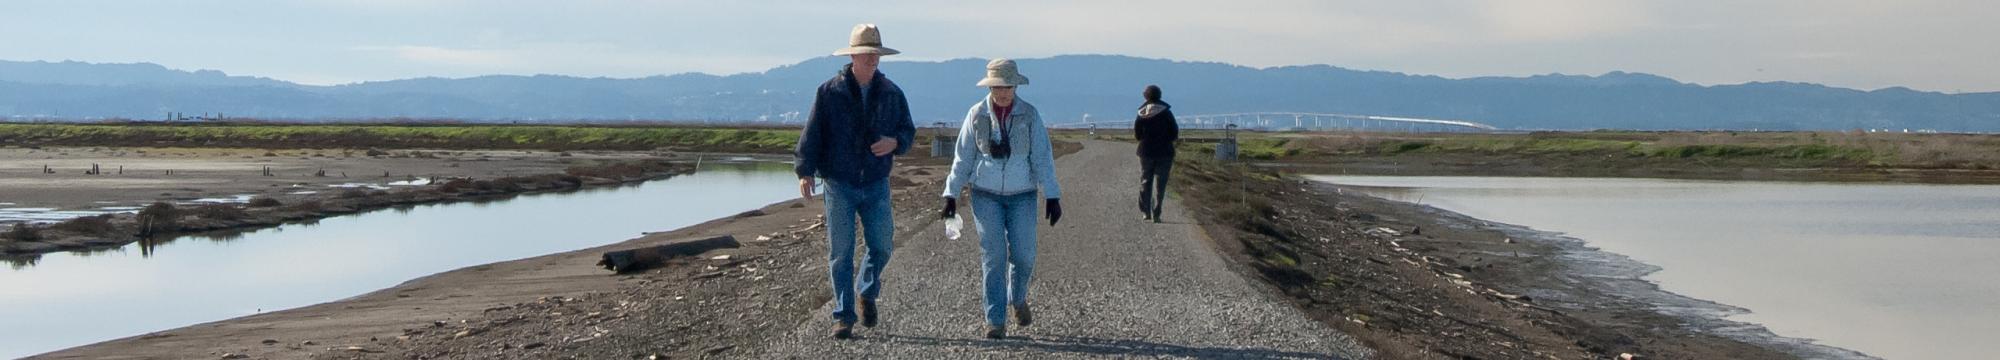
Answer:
(1107, 285)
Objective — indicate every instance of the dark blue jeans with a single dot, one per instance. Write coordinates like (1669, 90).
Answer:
(1153, 173)
(845, 204)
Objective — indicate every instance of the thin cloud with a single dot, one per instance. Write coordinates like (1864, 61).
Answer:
(434, 55)
(1561, 20)
(576, 59)
(1926, 44)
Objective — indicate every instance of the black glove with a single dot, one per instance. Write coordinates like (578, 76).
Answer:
(950, 208)
(1055, 211)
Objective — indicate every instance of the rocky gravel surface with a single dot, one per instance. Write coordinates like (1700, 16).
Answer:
(1106, 285)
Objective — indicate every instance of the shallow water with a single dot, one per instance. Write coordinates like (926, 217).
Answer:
(54, 215)
(1899, 271)
(70, 299)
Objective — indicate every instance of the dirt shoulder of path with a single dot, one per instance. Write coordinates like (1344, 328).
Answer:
(1416, 284)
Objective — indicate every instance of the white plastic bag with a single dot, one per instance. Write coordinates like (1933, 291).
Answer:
(953, 227)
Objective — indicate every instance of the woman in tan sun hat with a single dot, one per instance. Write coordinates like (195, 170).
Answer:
(1004, 153)
(859, 123)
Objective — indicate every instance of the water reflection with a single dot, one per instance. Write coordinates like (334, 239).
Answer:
(1879, 268)
(18, 262)
(68, 299)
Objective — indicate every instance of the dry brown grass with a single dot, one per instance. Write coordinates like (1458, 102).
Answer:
(1887, 150)
(88, 225)
(24, 232)
(264, 201)
(224, 212)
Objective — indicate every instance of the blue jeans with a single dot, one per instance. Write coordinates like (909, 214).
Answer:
(1006, 225)
(844, 202)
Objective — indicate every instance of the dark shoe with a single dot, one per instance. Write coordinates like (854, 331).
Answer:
(1145, 217)
(868, 313)
(843, 331)
(1156, 219)
(1022, 316)
(996, 332)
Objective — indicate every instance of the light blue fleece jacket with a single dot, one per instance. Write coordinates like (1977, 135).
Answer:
(1032, 164)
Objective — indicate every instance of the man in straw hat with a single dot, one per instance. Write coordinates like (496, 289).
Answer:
(1005, 155)
(859, 123)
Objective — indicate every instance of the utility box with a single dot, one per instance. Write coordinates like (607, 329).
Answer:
(1225, 150)
(943, 143)
(942, 146)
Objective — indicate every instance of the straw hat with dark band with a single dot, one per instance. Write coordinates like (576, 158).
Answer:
(866, 39)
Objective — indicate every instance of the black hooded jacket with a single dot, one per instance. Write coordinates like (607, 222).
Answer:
(1156, 130)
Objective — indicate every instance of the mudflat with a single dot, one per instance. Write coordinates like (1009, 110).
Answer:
(135, 176)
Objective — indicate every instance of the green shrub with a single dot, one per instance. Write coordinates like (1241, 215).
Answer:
(1407, 146)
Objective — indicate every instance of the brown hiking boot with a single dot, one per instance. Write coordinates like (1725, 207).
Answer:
(996, 332)
(868, 313)
(1022, 316)
(843, 331)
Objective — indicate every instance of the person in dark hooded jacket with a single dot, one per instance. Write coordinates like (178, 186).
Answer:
(1157, 132)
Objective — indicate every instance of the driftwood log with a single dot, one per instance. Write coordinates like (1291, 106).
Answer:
(636, 260)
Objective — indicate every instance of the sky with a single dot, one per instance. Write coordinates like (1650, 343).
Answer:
(1934, 45)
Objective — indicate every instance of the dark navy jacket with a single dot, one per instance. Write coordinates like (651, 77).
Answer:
(835, 143)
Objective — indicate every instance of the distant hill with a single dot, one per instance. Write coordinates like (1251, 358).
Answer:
(1064, 88)
(92, 74)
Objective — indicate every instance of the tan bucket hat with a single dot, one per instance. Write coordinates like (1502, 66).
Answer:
(1002, 72)
(866, 39)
